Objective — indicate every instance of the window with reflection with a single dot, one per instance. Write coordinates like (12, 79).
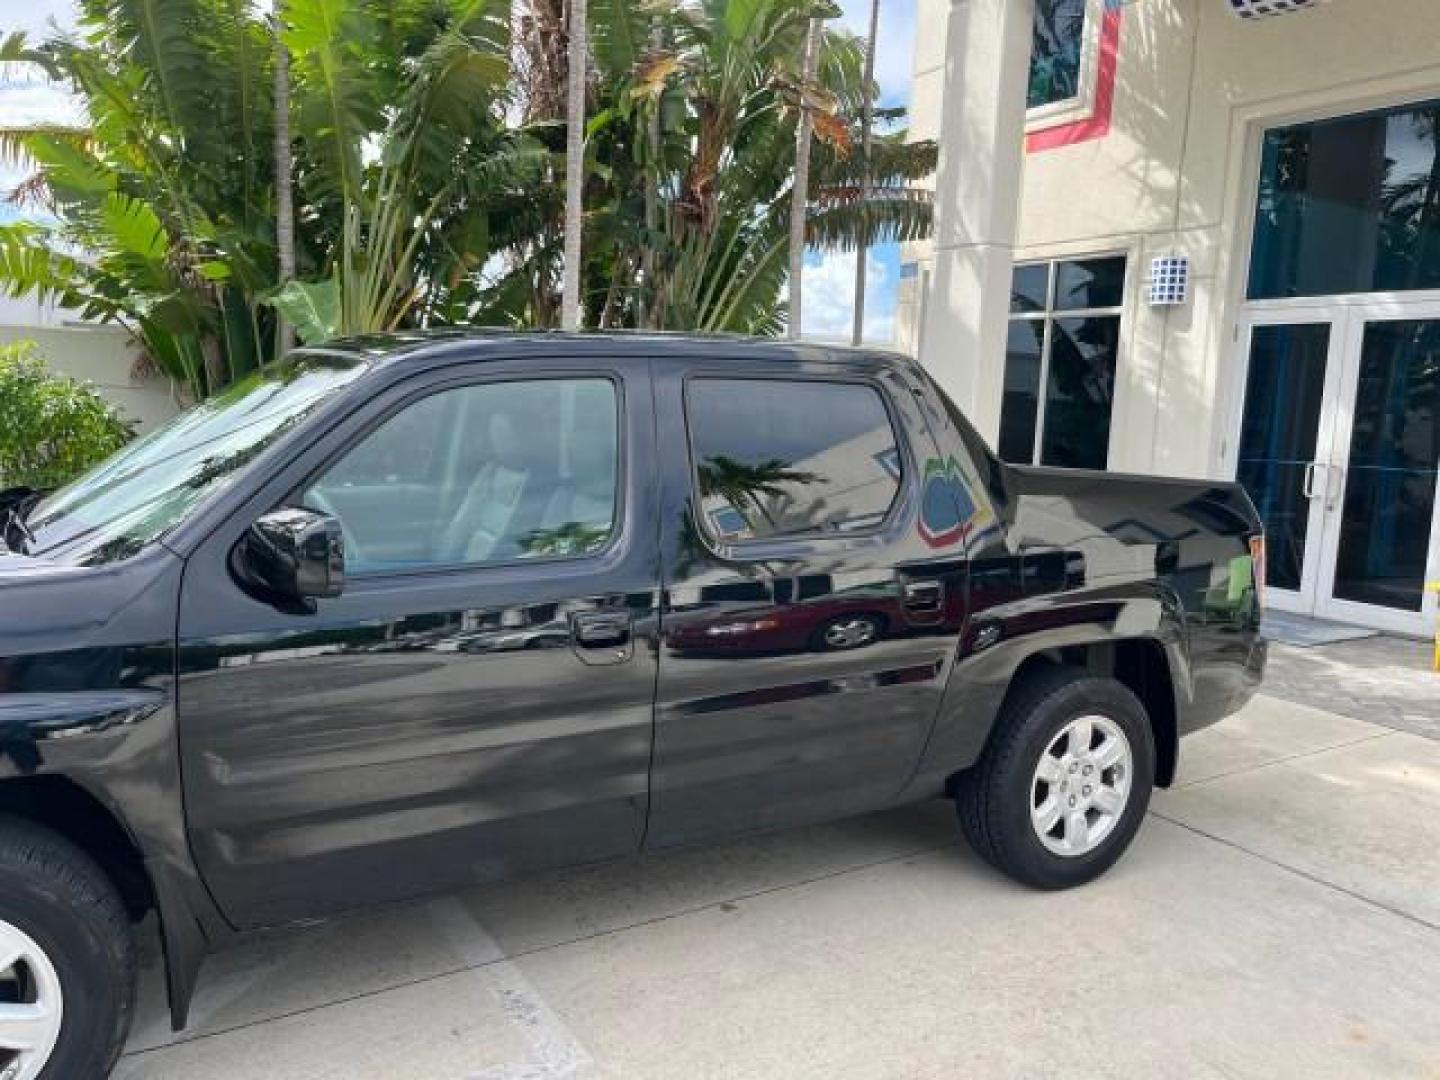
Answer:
(1349, 205)
(1060, 360)
(490, 473)
(791, 458)
(1056, 52)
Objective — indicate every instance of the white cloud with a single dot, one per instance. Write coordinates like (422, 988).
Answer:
(35, 16)
(828, 293)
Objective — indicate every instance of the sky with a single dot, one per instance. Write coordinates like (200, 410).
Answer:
(829, 279)
(828, 287)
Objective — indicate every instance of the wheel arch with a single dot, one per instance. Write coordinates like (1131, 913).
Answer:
(70, 810)
(1141, 665)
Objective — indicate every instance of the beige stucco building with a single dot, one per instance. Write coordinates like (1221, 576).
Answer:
(1288, 150)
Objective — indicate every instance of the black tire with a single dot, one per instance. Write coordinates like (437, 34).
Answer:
(993, 799)
(55, 893)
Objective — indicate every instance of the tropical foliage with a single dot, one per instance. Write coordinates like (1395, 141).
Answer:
(52, 427)
(428, 144)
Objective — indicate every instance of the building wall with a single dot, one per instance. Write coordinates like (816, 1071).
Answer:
(1176, 173)
(102, 355)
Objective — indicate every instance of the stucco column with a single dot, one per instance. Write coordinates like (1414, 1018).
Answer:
(981, 137)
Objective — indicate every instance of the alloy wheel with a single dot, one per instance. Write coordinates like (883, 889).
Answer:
(31, 1005)
(1081, 786)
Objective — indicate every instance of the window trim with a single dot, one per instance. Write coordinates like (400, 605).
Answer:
(731, 549)
(459, 382)
(1081, 107)
(1049, 315)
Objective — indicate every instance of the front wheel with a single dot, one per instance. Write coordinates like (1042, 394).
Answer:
(1065, 782)
(67, 960)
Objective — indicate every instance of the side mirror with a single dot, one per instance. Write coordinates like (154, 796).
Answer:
(290, 557)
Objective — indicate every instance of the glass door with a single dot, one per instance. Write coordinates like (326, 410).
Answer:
(1381, 537)
(1292, 389)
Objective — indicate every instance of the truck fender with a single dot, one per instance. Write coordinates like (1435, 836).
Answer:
(981, 678)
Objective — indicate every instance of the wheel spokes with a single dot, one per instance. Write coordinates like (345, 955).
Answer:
(1050, 769)
(26, 1027)
(1048, 813)
(1108, 800)
(1108, 753)
(1077, 831)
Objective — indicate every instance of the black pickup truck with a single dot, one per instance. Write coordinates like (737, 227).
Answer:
(417, 611)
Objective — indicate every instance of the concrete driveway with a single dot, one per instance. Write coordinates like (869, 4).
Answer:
(1279, 916)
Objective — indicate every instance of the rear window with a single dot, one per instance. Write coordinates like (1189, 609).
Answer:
(791, 458)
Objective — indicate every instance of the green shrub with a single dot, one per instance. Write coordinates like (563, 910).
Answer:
(52, 427)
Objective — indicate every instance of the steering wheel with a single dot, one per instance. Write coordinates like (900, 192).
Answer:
(316, 500)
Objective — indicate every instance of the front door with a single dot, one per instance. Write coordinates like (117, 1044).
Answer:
(479, 699)
(1340, 449)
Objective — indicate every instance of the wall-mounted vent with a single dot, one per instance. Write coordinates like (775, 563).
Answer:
(1169, 284)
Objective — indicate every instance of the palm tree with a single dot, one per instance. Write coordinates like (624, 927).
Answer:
(867, 124)
(751, 490)
(162, 188)
(694, 180)
(799, 196)
(403, 148)
(574, 165)
(423, 185)
(284, 187)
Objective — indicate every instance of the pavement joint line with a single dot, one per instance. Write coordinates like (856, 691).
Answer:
(554, 1050)
(462, 969)
(1388, 733)
(1305, 875)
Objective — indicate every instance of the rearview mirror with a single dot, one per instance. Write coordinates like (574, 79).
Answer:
(292, 556)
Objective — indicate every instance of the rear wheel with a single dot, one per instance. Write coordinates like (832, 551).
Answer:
(67, 960)
(1064, 784)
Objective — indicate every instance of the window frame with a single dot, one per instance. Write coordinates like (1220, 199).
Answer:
(1082, 106)
(1048, 315)
(728, 548)
(619, 514)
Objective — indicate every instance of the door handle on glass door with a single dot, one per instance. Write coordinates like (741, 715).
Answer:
(1307, 485)
(1334, 490)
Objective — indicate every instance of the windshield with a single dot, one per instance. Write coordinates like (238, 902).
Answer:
(145, 490)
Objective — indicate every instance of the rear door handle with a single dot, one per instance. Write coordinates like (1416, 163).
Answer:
(600, 629)
(924, 595)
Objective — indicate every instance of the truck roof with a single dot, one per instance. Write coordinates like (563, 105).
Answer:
(476, 342)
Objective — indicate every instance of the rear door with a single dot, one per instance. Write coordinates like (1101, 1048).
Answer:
(813, 605)
(479, 700)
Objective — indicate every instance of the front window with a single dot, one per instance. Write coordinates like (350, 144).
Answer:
(1349, 205)
(143, 492)
(480, 475)
(1060, 359)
